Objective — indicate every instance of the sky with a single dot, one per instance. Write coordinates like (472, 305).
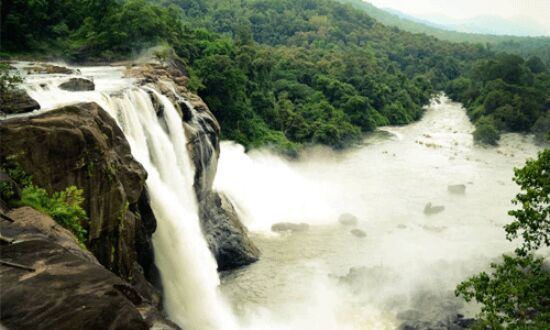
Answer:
(535, 10)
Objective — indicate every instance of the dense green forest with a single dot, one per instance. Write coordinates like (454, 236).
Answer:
(280, 72)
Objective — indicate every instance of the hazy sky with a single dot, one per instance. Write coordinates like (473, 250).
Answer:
(537, 10)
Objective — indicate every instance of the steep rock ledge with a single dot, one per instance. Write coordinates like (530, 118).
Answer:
(50, 282)
(82, 145)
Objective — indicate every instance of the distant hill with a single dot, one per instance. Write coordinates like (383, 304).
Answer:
(492, 25)
(524, 46)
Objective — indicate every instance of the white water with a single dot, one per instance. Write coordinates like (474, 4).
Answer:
(413, 261)
(188, 270)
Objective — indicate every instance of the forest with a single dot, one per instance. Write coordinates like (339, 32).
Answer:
(282, 73)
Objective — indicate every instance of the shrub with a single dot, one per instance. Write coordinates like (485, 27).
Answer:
(64, 207)
(486, 131)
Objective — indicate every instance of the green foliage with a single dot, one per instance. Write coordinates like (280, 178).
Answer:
(511, 91)
(486, 132)
(516, 294)
(64, 207)
(532, 220)
(8, 80)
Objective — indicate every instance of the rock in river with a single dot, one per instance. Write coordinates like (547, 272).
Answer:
(17, 101)
(348, 219)
(458, 189)
(430, 209)
(358, 233)
(288, 226)
(78, 85)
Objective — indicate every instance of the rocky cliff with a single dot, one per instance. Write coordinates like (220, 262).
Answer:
(81, 145)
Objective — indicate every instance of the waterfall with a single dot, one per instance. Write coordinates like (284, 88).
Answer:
(158, 141)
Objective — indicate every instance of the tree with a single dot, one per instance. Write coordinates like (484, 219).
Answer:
(532, 220)
(516, 294)
(486, 131)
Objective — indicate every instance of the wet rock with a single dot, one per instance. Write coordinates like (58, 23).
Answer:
(430, 209)
(288, 226)
(17, 101)
(458, 189)
(348, 219)
(78, 85)
(49, 69)
(358, 233)
(50, 282)
(82, 145)
(226, 236)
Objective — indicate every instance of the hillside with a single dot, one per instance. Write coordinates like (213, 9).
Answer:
(523, 46)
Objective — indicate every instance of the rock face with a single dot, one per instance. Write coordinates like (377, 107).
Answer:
(49, 282)
(225, 234)
(82, 145)
(17, 101)
(78, 85)
(227, 237)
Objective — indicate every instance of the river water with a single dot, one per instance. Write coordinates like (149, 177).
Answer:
(407, 266)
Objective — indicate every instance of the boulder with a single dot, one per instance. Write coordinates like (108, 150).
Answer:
(348, 219)
(289, 226)
(50, 282)
(430, 209)
(226, 236)
(17, 101)
(78, 85)
(358, 233)
(82, 145)
(458, 189)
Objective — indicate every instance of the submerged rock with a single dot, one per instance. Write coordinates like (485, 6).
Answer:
(430, 209)
(78, 85)
(459, 189)
(288, 226)
(358, 233)
(226, 236)
(348, 219)
(17, 101)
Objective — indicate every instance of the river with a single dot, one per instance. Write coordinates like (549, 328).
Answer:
(407, 266)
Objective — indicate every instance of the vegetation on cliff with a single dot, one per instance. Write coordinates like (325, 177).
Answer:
(65, 207)
(515, 295)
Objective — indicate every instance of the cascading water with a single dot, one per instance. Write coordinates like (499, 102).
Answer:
(158, 141)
